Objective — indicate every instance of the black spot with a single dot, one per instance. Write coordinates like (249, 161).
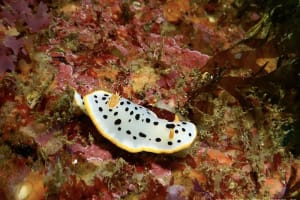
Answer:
(96, 101)
(147, 120)
(129, 120)
(157, 139)
(155, 123)
(183, 122)
(106, 95)
(170, 143)
(115, 113)
(105, 116)
(83, 102)
(106, 102)
(110, 110)
(95, 96)
(178, 141)
(137, 116)
(82, 97)
(148, 113)
(170, 125)
(142, 134)
(135, 108)
(128, 102)
(103, 98)
(190, 134)
(183, 129)
(150, 139)
(134, 137)
(100, 109)
(178, 124)
(122, 102)
(117, 121)
(131, 113)
(176, 131)
(128, 132)
(126, 109)
(119, 128)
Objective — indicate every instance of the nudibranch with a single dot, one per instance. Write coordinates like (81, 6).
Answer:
(133, 127)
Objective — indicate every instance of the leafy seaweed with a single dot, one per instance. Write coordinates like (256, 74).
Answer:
(6, 59)
(24, 16)
(19, 12)
(292, 187)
